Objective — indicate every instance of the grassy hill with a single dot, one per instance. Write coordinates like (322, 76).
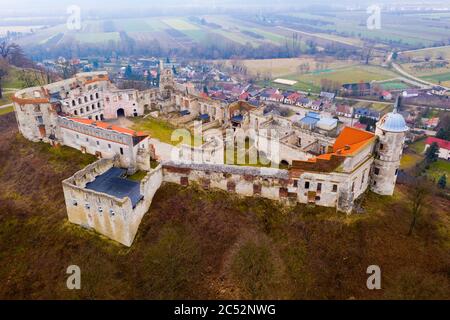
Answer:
(195, 244)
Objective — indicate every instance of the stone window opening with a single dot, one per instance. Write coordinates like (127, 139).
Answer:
(74, 203)
(381, 146)
(307, 185)
(335, 188)
(112, 213)
(319, 187)
(100, 209)
(377, 171)
(121, 151)
(87, 206)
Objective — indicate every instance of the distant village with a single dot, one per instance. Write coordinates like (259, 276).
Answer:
(351, 105)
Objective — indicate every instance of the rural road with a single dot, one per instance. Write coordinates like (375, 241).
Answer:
(422, 83)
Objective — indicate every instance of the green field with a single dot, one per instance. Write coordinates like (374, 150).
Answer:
(442, 78)
(394, 85)
(439, 168)
(349, 74)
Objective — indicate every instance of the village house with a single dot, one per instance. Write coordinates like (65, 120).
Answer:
(344, 110)
(444, 147)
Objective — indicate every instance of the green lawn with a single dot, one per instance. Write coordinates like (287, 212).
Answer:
(138, 176)
(409, 161)
(394, 85)
(157, 129)
(439, 168)
(418, 146)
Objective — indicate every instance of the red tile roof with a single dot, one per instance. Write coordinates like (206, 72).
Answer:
(443, 144)
(108, 126)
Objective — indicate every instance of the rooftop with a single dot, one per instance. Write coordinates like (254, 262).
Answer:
(108, 126)
(114, 183)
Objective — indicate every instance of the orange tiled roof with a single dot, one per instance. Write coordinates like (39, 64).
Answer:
(97, 78)
(349, 142)
(108, 126)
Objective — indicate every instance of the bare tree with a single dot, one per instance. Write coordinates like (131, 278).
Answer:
(7, 49)
(3, 74)
(419, 193)
(367, 52)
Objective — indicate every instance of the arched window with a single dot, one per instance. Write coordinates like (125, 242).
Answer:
(96, 95)
(92, 97)
(74, 103)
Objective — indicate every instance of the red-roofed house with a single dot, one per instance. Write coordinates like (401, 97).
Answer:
(444, 147)
(276, 97)
(293, 98)
(105, 140)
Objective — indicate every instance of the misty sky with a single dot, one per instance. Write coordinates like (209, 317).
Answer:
(43, 7)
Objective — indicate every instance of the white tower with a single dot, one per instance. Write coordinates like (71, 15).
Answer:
(391, 131)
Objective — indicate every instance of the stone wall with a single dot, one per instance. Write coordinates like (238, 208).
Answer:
(112, 217)
(246, 181)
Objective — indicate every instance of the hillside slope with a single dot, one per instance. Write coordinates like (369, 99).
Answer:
(208, 245)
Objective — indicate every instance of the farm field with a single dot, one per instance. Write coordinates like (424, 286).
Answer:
(431, 64)
(347, 74)
(169, 30)
(394, 85)
(283, 67)
(408, 29)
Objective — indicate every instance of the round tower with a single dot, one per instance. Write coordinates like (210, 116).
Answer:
(391, 131)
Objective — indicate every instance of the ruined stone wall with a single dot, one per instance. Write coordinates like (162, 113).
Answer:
(246, 181)
(334, 189)
(112, 217)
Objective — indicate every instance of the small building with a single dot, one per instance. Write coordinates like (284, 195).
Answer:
(327, 95)
(386, 95)
(310, 120)
(367, 113)
(293, 98)
(344, 110)
(327, 124)
(444, 147)
(410, 93)
(438, 90)
(430, 123)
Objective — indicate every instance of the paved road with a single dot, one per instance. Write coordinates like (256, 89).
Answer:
(421, 83)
